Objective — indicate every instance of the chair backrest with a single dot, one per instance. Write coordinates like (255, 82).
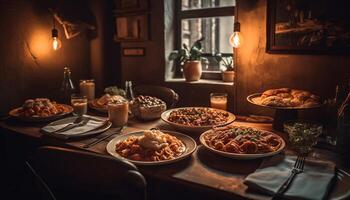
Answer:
(169, 96)
(73, 173)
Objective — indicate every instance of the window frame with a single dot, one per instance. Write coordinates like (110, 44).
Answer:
(180, 14)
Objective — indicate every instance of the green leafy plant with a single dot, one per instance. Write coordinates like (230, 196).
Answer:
(188, 54)
(114, 90)
(227, 61)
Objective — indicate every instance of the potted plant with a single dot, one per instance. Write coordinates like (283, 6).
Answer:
(228, 74)
(190, 60)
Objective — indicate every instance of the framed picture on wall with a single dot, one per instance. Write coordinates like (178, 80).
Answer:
(132, 27)
(134, 51)
(123, 6)
(308, 26)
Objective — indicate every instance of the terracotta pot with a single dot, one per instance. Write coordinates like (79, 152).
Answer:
(192, 70)
(228, 76)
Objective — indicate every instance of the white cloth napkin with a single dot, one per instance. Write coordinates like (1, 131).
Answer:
(313, 183)
(92, 124)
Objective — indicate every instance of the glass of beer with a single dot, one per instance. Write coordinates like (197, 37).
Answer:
(218, 100)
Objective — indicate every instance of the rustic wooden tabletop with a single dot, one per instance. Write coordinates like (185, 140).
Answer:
(203, 169)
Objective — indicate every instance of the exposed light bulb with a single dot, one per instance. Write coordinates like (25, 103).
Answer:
(236, 39)
(56, 43)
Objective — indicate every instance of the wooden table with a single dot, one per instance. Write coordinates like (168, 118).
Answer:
(204, 171)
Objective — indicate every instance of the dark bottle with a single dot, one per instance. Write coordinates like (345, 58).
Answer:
(67, 87)
(332, 115)
(129, 94)
(343, 128)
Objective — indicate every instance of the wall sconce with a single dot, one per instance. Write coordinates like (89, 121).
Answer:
(56, 42)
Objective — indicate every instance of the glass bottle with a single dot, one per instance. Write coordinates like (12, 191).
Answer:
(67, 87)
(343, 132)
(129, 94)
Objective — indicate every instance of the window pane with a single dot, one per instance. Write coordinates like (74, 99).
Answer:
(215, 30)
(198, 4)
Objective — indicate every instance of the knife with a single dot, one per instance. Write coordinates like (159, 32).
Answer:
(103, 138)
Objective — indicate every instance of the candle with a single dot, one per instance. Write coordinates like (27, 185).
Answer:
(218, 100)
(87, 88)
(118, 113)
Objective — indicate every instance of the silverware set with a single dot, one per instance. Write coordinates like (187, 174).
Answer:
(79, 121)
(297, 169)
(102, 139)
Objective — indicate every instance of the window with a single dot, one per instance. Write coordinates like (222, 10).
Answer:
(211, 19)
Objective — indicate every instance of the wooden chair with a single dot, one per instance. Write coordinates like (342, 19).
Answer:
(169, 96)
(72, 174)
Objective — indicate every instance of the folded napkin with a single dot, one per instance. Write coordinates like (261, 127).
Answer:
(93, 123)
(313, 183)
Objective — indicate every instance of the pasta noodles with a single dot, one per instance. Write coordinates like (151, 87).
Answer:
(154, 145)
(41, 107)
(242, 140)
(198, 116)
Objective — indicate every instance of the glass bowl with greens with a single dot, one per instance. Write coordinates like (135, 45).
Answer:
(303, 134)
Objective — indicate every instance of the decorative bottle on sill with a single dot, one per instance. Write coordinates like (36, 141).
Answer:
(129, 94)
(67, 87)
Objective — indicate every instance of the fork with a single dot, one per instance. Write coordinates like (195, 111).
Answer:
(80, 121)
(297, 169)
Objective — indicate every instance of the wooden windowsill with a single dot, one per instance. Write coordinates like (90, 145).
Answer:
(201, 81)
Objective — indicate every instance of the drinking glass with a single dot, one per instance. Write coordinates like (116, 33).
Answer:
(218, 100)
(87, 88)
(79, 103)
(118, 113)
(303, 135)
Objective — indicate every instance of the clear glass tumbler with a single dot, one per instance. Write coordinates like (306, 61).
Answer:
(79, 103)
(218, 100)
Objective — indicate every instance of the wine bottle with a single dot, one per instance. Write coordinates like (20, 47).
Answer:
(67, 87)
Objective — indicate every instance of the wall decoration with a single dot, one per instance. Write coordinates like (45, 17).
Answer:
(134, 51)
(132, 28)
(131, 5)
(308, 26)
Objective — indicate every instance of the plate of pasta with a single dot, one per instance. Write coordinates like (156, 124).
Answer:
(40, 110)
(197, 119)
(152, 147)
(242, 142)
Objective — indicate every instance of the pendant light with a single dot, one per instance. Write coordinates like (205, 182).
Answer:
(236, 39)
(56, 42)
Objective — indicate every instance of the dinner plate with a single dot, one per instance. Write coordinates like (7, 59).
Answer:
(15, 114)
(256, 100)
(200, 129)
(188, 142)
(93, 105)
(238, 155)
(67, 120)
